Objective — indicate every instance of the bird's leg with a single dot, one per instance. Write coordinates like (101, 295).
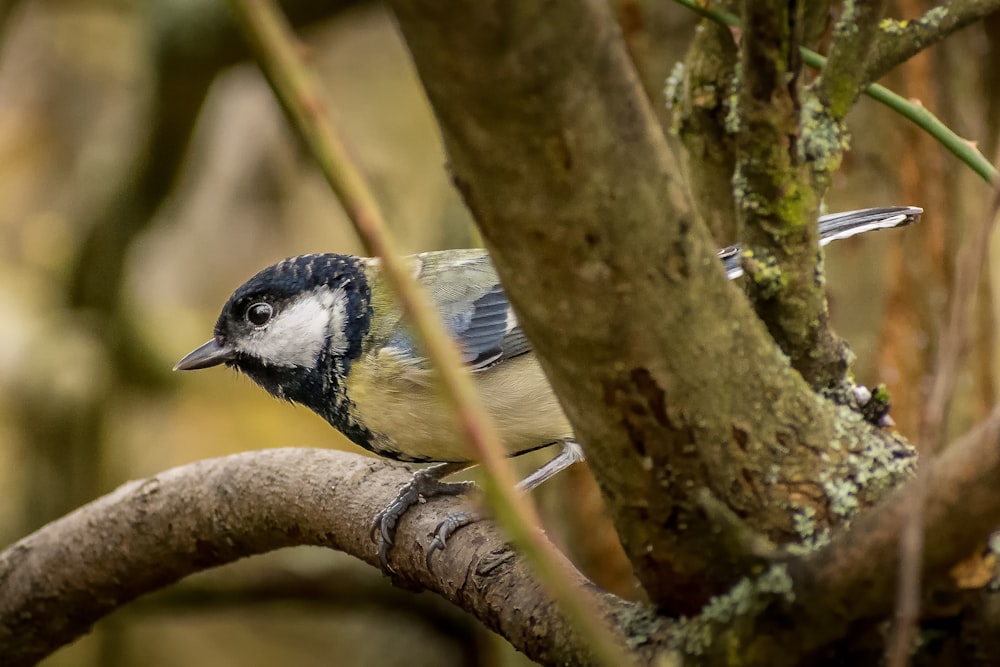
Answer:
(570, 453)
(425, 483)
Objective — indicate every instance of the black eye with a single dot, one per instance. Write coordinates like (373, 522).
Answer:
(259, 313)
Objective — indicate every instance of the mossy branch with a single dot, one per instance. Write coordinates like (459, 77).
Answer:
(964, 149)
(898, 41)
(775, 194)
(844, 76)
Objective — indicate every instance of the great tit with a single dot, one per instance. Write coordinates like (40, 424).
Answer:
(323, 331)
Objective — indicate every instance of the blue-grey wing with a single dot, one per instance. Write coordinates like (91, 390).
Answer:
(488, 332)
(467, 293)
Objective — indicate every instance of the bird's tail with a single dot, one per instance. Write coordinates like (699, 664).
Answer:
(836, 226)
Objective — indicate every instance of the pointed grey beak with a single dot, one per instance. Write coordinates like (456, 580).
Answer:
(210, 354)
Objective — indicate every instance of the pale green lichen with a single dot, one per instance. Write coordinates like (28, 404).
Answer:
(871, 466)
(842, 495)
(748, 597)
(674, 85)
(994, 547)
(815, 543)
(823, 140)
(848, 23)
(732, 102)
(804, 521)
(812, 537)
(934, 17)
(773, 474)
(776, 581)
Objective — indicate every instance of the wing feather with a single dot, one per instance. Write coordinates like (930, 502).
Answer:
(467, 293)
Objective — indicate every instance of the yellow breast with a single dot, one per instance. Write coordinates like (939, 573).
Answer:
(404, 405)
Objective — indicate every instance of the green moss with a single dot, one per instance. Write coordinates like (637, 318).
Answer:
(747, 199)
(876, 408)
(791, 207)
(762, 268)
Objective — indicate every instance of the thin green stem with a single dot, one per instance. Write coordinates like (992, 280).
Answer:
(275, 46)
(963, 149)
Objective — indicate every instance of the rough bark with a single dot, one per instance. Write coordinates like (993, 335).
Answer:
(150, 533)
(569, 178)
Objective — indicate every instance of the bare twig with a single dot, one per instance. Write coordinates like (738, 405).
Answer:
(951, 352)
(294, 84)
(954, 339)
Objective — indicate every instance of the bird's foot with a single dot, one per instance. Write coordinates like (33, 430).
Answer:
(447, 528)
(424, 484)
(567, 456)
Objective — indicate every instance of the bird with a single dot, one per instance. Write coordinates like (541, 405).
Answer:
(323, 331)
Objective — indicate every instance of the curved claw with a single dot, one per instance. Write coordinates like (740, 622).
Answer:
(447, 528)
(425, 483)
(385, 521)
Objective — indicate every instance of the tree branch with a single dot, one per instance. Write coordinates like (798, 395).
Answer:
(148, 534)
(901, 40)
(825, 137)
(843, 78)
(805, 604)
(701, 99)
(561, 161)
(775, 195)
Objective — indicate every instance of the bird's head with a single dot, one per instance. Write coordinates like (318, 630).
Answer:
(293, 328)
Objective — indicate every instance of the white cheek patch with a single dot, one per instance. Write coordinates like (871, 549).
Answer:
(299, 331)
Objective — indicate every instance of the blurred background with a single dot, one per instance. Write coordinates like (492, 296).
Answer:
(146, 171)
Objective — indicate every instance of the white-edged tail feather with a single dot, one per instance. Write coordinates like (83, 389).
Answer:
(837, 226)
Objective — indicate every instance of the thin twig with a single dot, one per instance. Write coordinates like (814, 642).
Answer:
(963, 149)
(295, 86)
(951, 353)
